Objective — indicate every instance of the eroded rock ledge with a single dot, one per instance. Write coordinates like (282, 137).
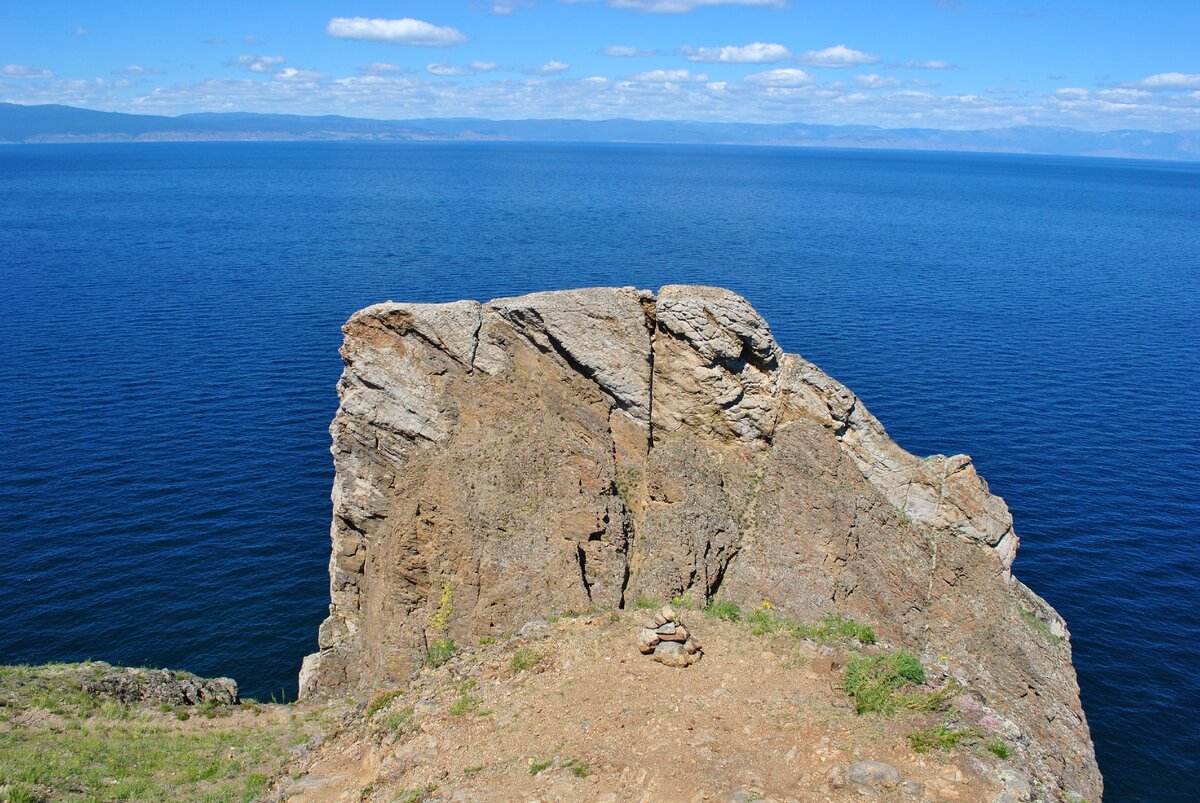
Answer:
(583, 448)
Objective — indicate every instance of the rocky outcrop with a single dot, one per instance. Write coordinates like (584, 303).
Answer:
(581, 449)
(132, 686)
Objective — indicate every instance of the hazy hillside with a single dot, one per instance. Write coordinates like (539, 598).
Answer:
(50, 123)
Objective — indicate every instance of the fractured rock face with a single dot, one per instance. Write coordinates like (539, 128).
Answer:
(579, 449)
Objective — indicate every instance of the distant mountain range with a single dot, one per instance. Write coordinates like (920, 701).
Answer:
(52, 123)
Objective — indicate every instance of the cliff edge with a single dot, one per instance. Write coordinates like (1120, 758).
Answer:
(579, 450)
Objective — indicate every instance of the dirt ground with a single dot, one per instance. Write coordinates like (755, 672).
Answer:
(759, 718)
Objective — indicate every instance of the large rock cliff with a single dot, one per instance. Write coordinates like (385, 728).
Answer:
(580, 449)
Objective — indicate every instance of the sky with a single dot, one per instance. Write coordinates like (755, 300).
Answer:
(955, 64)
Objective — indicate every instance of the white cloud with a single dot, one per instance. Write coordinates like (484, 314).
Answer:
(1171, 80)
(251, 39)
(406, 31)
(216, 40)
(551, 67)
(934, 64)
(137, 69)
(446, 70)
(81, 31)
(876, 81)
(684, 6)
(624, 51)
(785, 95)
(259, 64)
(292, 74)
(381, 68)
(836, 56)
(669, 77)
(785, 76)
(24, 71)
(753, 53)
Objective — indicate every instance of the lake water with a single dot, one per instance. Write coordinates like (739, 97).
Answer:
(169, 326)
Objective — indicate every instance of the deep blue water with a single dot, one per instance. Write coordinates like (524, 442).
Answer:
(169, 326)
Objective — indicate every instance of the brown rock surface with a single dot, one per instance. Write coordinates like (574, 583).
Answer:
(583, 449)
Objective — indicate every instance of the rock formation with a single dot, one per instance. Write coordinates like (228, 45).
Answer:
(579, 449)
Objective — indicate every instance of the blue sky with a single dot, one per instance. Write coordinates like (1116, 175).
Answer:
(926, 63)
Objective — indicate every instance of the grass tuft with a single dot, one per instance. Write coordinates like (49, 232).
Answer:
(465, 704)
(524, 659)
(999, 748)
(418, 795)
(646, 604)
(382, 701)
(440, 651)
(725, 609)
(878, 683)
(538, 765)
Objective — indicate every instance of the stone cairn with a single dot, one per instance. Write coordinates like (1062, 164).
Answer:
(667, 641)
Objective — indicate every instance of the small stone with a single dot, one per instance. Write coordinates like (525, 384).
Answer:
(681, 635)
(873, 773)
(530, 628)
(667, 629)
(691, 647)
(822, 665)
(668, 613)
(911, 788)
(647, 641)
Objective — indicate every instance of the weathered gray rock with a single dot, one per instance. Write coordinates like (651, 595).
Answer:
(586, 448)
(131, 686)
(672, 653)
(872, 773)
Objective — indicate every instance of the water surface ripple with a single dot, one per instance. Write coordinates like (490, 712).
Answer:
(170, 319)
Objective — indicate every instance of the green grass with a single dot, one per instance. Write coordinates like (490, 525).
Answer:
(834, 628)
(537, 765)
(577, 768)
(646, 604)
(98, 750)
(725, 609)
(880, 682)
(924, 740)
(137, 762)
(418, 795)
(486, 640)
(998, 748)
(382, 701)
(940, 738)
(465, 704)
(440, 652)
(524, 659)
(831, 629)
(398, 721)
(1038, 625)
